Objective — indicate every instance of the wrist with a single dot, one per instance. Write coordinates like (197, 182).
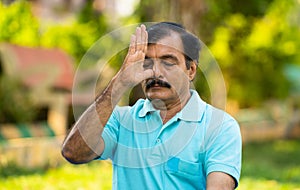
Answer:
(120, 84)
(116, 89)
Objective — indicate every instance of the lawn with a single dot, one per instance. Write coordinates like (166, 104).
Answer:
(266, 166)
(271, 166)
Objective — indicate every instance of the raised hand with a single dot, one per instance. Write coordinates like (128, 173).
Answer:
(132, 71)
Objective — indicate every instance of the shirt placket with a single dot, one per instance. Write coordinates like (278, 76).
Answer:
(164, 130)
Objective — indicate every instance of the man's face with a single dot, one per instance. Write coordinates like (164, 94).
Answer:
(171, 77)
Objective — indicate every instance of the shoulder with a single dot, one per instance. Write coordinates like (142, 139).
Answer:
(221, 125)
(220, 116)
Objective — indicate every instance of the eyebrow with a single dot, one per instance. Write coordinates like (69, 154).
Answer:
(164, 57)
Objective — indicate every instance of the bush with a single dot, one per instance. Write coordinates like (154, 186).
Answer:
(15, 105)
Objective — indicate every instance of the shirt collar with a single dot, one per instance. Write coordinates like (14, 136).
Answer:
(192, 111)
(147, 107)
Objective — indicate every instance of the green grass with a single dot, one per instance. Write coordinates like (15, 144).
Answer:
(96, 175)
(271, 166)
(266, 166)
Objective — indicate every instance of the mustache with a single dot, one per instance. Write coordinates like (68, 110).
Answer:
(152, 82)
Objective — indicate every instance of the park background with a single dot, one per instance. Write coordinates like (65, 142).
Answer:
(255, 44)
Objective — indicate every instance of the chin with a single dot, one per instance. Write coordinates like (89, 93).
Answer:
(161, 95)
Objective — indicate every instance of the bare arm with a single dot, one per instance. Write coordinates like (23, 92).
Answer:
(84, 142)
(219, 181)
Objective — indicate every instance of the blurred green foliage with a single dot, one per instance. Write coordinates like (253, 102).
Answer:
(19, 26)
(253, 50)
(77, 37)
(15, 105)
(252, 41)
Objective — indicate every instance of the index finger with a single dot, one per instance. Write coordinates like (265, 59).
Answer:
(144, 39)
(138, 34)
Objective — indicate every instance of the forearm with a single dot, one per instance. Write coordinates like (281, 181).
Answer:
(108, 99)
(219, 181)
(84, 142)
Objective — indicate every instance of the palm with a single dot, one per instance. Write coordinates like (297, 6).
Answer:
(132, 71)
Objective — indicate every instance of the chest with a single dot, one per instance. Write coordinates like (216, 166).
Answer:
(153, 142)
(160, 156)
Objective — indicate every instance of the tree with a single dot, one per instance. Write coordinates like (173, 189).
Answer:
(253, 51)
(252, 41)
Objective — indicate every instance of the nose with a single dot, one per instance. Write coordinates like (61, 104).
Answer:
(157, 70)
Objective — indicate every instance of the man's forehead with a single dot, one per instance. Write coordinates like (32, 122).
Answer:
(171, 42)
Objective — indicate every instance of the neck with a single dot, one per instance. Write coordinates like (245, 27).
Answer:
(169, 109)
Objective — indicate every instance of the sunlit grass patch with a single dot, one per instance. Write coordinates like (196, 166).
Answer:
(271, 165)
(96, 175)
(265, 184)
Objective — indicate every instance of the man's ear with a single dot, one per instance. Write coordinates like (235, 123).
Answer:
(192, 70)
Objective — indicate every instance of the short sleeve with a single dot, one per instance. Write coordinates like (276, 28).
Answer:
(224, 153)
(110, 135)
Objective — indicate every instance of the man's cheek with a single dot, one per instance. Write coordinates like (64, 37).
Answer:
(177, 77)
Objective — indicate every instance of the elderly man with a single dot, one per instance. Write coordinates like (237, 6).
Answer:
(170, 140)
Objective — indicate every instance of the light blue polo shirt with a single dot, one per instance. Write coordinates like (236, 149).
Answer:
(147, 154)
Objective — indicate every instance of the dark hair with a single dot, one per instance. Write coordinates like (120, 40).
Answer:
(191, 44)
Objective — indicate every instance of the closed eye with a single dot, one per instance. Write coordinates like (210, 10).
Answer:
(148, 63)
(167, 63)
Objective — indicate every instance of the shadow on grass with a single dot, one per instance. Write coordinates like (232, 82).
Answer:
(12, 170)
(277, 160)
